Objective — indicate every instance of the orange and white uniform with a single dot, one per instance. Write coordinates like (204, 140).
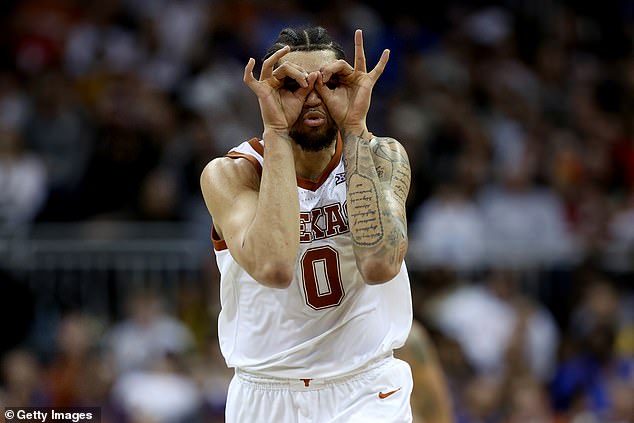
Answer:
(329, 334)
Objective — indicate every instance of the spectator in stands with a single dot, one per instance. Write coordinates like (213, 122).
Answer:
(161, 392)
(448, 230)
(58, 133)
(147, 334)
(160, 197)
(524, 223)
(22, 380)
(494, 320)
(76, 335)
(528, 402)
(593, 378)
(14, 100)
(23, 180)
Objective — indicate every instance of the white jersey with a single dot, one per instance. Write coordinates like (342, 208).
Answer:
(329, 322)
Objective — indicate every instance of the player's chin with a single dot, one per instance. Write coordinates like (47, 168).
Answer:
(314, 141)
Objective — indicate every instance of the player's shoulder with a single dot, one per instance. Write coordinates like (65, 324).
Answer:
(222, 165)
(224, 171)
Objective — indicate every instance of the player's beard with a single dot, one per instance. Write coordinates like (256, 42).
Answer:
(314, 139)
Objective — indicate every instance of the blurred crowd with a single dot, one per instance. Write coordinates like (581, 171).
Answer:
(518, 117)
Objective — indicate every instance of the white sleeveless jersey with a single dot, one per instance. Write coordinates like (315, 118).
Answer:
(329, 322)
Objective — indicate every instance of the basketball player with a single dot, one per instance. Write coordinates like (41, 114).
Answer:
(310, 233)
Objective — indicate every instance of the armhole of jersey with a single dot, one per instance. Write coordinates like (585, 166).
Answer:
(219, 243)
(259, 148)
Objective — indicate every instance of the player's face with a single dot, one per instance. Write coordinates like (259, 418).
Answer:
(315, 129)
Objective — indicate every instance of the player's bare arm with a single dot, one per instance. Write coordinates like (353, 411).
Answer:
(259, 217)
(431, 400)
(378, 177)
(236, 199)
(378, 173)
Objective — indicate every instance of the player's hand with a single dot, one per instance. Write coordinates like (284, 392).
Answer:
(347, 90)
(281, 91)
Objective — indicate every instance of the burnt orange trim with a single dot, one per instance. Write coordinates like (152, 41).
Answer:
(301, 182)
(219, 243)
(257, 146)
(334, 161)
(256, 164)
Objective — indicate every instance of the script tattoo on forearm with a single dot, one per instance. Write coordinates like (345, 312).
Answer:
(378, 177)
(363, 203)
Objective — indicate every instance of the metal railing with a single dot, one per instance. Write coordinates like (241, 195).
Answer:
(94, 266)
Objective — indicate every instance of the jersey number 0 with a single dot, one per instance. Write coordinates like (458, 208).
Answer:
(322, 277)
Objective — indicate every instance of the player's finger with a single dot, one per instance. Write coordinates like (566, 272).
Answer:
(311, 83)
(269, 64)
(380, 67)
(293, 71)
(339, 67)
(295, 65)
(359, 53)
(248, 78)
(324, 92)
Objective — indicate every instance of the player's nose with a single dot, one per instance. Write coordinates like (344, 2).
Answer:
(313, 98)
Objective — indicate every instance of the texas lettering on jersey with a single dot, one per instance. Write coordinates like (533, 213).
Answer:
(323, 222)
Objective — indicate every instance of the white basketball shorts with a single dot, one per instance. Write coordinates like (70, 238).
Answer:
(380, 393)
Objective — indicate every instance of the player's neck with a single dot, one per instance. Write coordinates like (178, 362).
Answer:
(311, 164)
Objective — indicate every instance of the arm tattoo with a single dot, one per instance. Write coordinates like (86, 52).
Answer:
(378, 178)
(363, 200)
(395, 168)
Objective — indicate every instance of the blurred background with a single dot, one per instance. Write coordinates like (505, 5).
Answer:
(518, 117)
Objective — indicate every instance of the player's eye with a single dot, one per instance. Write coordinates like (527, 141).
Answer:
(333, 82)
(290, 84)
